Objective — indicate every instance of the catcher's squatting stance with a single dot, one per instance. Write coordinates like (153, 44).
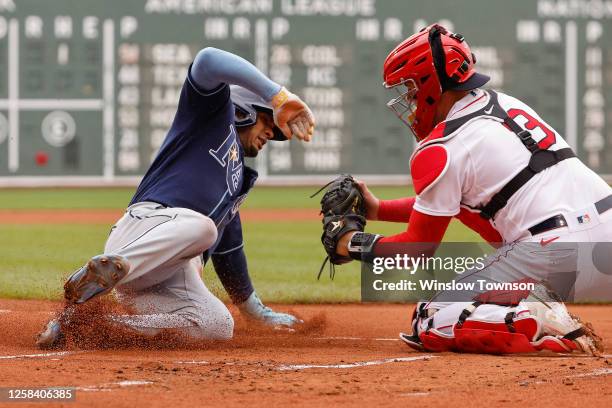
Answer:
(185, 209)
(489, 160)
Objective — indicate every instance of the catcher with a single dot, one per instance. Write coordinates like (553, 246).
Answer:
(489, 160)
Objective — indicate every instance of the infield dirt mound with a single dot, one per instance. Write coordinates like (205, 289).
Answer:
(350, 356)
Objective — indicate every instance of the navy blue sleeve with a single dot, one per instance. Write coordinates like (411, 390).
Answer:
(230, 263)
(203, 103)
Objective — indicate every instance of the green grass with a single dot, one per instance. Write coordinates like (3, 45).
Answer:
(284, 257)
(95, 198)
(28, 199)
(35, 259)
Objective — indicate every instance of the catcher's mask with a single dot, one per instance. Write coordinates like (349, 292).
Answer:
(248, 104)
(421, 68)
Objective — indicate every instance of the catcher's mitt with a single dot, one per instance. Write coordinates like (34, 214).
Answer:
(343, 209)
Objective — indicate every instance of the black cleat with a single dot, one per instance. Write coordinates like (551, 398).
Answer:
(412, 340)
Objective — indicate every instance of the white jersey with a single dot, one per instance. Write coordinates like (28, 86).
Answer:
(483, 155)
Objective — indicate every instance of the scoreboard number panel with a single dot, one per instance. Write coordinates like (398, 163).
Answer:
(89, 88)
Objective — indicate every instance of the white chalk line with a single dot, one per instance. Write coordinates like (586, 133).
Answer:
(42, 355)
(111, 386)
(289, 367)
(595, 373)
(6, 311)
(355, 364)
(414, 394)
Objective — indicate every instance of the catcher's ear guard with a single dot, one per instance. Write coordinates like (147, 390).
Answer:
(98, 277)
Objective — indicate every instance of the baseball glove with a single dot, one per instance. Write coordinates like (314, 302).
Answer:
(343, 209)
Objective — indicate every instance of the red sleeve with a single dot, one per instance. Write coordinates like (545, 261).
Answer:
(475, 222)
(425, 229)
(422, 228)
(396, 210)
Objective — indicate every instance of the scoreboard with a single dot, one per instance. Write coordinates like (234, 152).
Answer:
(89, 88)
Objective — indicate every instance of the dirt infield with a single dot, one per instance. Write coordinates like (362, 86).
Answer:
(351, 358)
(109, 216)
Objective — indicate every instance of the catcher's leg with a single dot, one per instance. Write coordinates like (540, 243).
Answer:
(528, 327)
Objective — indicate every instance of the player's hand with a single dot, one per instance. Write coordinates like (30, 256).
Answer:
(372, 203)
(342, 245)
(255, 310)
(292, 116)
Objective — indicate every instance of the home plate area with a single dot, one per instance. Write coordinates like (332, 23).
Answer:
(347, 355)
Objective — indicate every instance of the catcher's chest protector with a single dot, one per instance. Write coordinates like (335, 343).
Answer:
(432, 152)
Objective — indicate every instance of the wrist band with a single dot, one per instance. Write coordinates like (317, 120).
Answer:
(361, 246)
(280, 98)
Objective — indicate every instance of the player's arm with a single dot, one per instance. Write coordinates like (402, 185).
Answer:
(397, 210)
(483, 227)
(438, 185)
(212, 68)
(230, 262)
(422, 228)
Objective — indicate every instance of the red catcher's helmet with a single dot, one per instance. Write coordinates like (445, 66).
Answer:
(423, 66)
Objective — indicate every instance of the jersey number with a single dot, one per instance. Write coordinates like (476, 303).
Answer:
(532, 123)
(228, 156)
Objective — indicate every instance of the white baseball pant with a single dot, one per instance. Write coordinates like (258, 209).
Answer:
(164, 247)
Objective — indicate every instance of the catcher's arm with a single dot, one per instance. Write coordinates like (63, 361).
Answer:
(400, 210)
(344, 209)
(397, 210)
(421, 228)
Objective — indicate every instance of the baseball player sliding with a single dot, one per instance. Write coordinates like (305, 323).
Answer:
(491, 161)
(185, 209)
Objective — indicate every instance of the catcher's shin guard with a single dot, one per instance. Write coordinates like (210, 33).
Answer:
(98, 277)
(494, 329)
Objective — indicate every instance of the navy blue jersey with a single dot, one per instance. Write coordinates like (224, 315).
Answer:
(200, 164)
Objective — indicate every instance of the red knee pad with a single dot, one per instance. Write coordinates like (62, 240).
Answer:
(436, 342)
